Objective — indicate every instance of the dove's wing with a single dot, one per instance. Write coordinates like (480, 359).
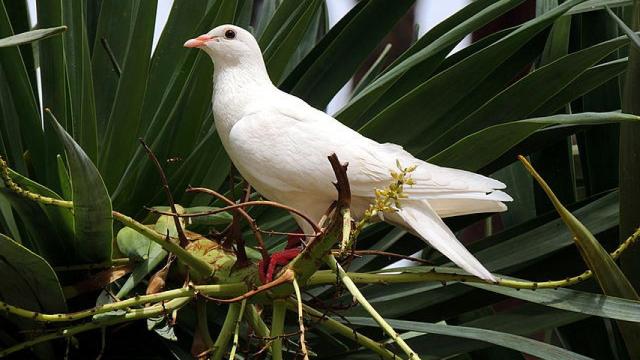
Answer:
(292, 146)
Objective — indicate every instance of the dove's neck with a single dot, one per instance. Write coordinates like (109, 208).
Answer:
(237, 89)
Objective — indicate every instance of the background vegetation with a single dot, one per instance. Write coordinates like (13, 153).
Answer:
(550, 87)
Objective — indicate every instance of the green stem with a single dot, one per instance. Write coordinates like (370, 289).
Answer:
(202, 268)
(353, 289)
(324, 277)
(255, 321)
(277, 327)
(131, 315)
(11, 185)
(236, 332)
(188, 292)
(220, 346)
(203, 323)
(340, 328)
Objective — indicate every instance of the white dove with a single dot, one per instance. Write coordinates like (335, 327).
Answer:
(280, 145)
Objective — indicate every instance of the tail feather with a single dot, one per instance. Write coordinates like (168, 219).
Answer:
(419, 217)
(447, 207)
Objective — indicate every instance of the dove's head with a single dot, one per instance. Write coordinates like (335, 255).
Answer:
(228, 45)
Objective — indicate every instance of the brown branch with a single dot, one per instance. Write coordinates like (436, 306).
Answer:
(165, 185)
(315, 226)
(273, 232)
(342, 182)
(111, 55)
(247, 193)
(251, 221)
(286, 277)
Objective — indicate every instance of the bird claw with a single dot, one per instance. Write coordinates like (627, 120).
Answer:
(267, 267)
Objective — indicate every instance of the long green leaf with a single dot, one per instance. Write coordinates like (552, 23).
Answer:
(595, 5)
(549, 80)
(169, 56)
(112, 36)
(442, 93)
(280, 50)
(560, 298)
(120, 138)
(31, 36)
(93, 223)
(633, 36)
(335, 58)
(52, 64)
(629, 151)
(82, 110)
(583, 84)
(19, 16)
(20, 122)
(479, 149)
(427, 52)
(519, 343)
(573, 300)
(526, 320)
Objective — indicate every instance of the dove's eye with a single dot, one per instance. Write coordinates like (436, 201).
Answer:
(230, 34)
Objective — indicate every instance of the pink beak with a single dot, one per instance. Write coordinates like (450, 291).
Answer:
(198, 42)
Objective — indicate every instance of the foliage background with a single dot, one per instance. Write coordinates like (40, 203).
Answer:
(528, 89)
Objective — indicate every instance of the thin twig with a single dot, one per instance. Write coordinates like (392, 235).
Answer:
(250, 220)
(165, 185)
(236, 332)
(303, 345)
(238, 206)
(111, 55)
(273, 232)
(247, 192)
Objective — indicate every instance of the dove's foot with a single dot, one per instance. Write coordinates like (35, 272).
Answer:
(266, 269)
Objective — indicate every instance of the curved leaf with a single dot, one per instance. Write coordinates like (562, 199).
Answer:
(29, 282)
(93, 223)
(611, 279)
(519, 343)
